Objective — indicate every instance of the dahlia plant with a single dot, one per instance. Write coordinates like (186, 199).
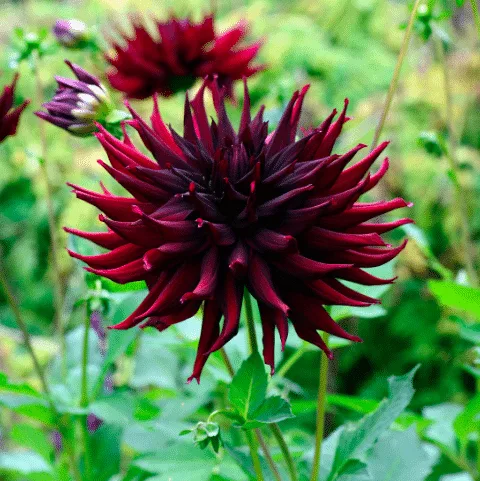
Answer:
(216, 212)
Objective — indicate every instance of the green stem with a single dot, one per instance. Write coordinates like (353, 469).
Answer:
(476, 15)
(252, 444)
(321, 402)
(293, 359)
(451, 154)
(57, 277)
(84, 401)
(70, 449)
(252, 335)
(396, 74)
(26, 335)
(267, 454)
(285, 451)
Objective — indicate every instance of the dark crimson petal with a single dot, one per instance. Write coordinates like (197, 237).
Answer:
(359, 276)
(312, 313)
(330, 292)
(362, 257)
(305, 268)
(221, 234)
(266, 240)
(115, 258)
(268, 329)
(133, 271)
(379, 228)
(134, 232)
(325, 239)
(231, 307)
(155, 291)
(178, 314)
(333, 133)
(238, 260)
(278, 318)
(209, 272)
(309, 334)
(210, 331)
(109, 240)
(261, 284)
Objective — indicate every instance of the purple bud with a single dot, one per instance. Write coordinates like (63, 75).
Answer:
(96, 323)
(56, 439)
(70, 33)
(93, 423)
(77, 104)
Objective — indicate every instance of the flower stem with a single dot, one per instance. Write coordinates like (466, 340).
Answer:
(293, 359)
(267, 454)
(57, 278)
(84, 400)
(396, 74)
(451, 154)
(285, 451)
(476, 15)
(254, 455)
(26, 335)
(252, 335)
(321, 402)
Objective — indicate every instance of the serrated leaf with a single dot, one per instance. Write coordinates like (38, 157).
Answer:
(400, 456)
(273, 410)
(456, 296)
(249, 386)
(357, 438)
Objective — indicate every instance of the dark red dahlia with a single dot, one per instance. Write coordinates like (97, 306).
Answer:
(9, 116)
(215, 210)
(184, 52)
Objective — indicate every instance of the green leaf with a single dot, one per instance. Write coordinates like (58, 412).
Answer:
(457, 296)
(357, 438)
(468, 421)
(24, 462)
(105, 452)
(178, 463)
(33, 438)
(441, 430)
(400, 456)
(6, 386)
(460, 3)
(117, 409)
(273, 410)
(249, 386)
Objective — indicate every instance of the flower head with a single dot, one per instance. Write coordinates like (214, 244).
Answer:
(185, 51)
(71, 33)
(217, 210)
(77, 104)
(9, 116)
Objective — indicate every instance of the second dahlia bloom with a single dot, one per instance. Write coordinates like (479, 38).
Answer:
(216, 210)
(184, 52)
(10, 115)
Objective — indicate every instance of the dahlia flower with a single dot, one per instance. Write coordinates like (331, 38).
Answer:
(77, 104)
(71, 33)
(217, 210)
(185, 51)
(9, 116)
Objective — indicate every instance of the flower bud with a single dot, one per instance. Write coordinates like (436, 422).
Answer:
(10, 115)
(71, 33)
(77, 104)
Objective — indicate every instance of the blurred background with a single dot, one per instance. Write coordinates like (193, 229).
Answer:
(343, 48)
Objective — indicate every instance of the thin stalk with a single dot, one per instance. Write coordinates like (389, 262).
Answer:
(84, 401)
(227, 362)
(267, 454)
(12, 302)
(57, 278)
(293, 359)
(321, 402)
(451, 154)
(396, 74)
(69, 447)
(252, 335)
(285, 451)
(254, 455)
(476, 15)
